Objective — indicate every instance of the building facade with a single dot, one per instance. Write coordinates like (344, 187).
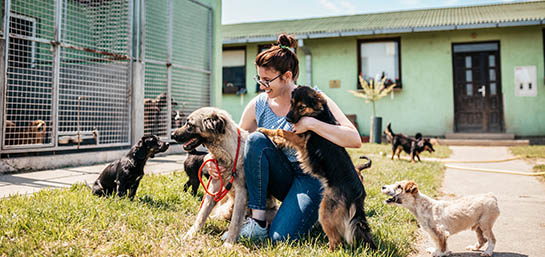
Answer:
(477, 69)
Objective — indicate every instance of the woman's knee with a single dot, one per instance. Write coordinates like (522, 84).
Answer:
(257, 138)
(256, 141)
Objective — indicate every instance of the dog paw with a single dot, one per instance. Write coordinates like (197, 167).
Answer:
(189, 234)
(474, 247)
(267, 132)
(438, 253)
(486, 254)
(228, 245)
(430, 250)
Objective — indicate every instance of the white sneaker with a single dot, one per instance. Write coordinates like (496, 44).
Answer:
(251, 230)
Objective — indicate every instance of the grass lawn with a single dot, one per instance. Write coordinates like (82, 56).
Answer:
(529, 152)
(73, 222)
(540, 168)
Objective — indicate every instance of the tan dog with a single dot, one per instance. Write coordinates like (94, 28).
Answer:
(33, 134)
(440, 219)
(215, 129)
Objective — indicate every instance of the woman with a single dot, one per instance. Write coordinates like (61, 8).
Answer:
(269, 169)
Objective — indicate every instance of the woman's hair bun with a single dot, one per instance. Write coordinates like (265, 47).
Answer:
(286, 40)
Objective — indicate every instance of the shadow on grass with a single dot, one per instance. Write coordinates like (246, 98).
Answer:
(478, 254)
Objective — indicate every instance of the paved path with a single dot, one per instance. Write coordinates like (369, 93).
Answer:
(30, 182)
(520, 228)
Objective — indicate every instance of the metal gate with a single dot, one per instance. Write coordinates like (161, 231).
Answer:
(177, 53)
(67, 74)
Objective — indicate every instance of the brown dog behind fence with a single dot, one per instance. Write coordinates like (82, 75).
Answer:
(34, 133)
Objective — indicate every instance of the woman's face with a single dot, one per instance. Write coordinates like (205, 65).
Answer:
(276, 81)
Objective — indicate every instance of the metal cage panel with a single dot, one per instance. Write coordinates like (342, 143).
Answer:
(68, 74)
(93, 100)
(155, 102)
(28, 113)
(191, 35)
(178, 38)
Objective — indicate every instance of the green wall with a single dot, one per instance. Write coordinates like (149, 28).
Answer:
(426, 102)
(215, 94)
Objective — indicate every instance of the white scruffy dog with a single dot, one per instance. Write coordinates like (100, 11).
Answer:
(440, 219)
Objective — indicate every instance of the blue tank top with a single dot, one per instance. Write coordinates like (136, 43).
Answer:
(266, 118)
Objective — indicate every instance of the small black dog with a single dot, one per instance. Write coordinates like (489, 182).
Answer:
(192, 164)
(124, 175)
(412, 146)
(341, 211)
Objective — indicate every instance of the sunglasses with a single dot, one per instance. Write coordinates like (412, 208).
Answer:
(265, 83)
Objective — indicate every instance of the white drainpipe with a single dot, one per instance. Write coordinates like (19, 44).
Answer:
(308, 60)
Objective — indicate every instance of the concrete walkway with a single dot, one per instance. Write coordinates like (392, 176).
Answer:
(520, 228)
(30, 182)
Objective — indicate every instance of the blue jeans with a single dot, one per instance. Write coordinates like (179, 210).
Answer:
(268, 170)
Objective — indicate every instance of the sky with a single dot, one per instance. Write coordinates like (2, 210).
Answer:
(242, 11)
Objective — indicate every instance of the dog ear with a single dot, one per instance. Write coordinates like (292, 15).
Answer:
(411, 187)
(215, 124)
(320, 97)
(139, 149)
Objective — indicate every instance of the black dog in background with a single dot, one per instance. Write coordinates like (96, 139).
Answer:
(124, 175)
(412, 146)
(192, 164)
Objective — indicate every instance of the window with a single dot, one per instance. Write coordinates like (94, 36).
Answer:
(234, 71)
(22, 51)
(380, 57)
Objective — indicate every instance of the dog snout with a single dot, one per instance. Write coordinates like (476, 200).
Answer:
(290, 117)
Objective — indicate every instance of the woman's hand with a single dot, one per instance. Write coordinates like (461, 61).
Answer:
(304, 124)
(211, 167)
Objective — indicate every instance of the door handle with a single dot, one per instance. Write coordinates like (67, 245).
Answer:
(482, 90)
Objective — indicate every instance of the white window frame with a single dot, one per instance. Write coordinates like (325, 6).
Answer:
(397, 61)
(32, 36)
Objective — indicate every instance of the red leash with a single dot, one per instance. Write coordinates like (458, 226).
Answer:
(222, 192)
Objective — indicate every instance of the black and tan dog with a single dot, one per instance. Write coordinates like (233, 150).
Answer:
(124, 175)
(341, 211)
(412, 146)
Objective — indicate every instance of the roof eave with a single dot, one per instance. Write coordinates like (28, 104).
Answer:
(388, 31)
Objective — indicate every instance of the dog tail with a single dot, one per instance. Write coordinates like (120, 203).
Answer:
(359, 228)
(418, 136)
(365, 165)
(389, 133)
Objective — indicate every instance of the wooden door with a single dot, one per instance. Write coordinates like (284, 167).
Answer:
(477, 89)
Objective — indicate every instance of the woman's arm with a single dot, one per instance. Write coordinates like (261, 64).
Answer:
(248, 121)
(344, 134)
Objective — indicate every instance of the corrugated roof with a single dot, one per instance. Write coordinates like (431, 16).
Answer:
(485, 16)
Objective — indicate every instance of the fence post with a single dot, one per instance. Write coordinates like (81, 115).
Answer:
(137, 101)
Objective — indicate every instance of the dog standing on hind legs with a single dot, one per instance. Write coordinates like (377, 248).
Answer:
(440, 218)
(341, 211)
